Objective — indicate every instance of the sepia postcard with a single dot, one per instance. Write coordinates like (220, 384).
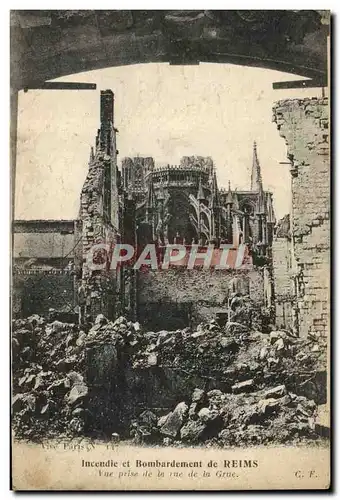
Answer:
(170, 266)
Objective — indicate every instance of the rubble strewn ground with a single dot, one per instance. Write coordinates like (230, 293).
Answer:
(255, 388)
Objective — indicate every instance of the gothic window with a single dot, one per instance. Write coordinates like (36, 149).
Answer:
(138, 176)
(248, 209)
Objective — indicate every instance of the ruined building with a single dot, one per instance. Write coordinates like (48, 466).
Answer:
(181, 204)
(140, 204)
(43, 273)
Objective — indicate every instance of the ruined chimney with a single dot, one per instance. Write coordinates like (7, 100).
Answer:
(106, 120)
(106, 107)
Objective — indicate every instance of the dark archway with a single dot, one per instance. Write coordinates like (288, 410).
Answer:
(47, 44)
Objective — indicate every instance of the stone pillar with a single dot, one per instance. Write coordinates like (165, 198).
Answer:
(303, 123)
(246, 228)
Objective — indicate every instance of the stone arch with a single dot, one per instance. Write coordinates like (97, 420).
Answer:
(76, 41)
(248, 205)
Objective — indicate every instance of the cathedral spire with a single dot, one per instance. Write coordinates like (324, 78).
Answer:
(229, 199)
(215, 195)
(256, 177)
(261, 203)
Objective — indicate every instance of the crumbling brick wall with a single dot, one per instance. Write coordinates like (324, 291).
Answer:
(303, 123)
(100, 285)
(199, 292)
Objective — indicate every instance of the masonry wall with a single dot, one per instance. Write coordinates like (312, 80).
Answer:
(100, 217)
(181, 296)
(100, 285)
(44, 267)
(284, 287)
(304, 124)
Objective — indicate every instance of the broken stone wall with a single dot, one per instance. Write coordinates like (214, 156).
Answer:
(304, 124)
(194, 294)
(100, 284)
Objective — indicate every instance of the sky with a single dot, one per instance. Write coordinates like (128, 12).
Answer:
(162, 111)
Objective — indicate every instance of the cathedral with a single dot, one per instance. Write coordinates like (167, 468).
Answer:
(184, 204)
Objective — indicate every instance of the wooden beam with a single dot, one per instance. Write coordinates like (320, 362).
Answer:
(62, 86)
(299, 84)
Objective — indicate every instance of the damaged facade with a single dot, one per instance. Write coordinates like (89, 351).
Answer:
(99, 213)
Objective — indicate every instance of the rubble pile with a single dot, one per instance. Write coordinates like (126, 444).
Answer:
(48, 382)
(259, 375)
(124, 335)
(234, 353)
(240, 418)
(255, 388)
(50, 391)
